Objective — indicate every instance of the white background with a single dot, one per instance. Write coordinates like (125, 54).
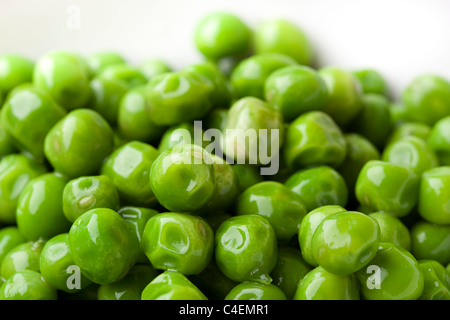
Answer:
(400, 38)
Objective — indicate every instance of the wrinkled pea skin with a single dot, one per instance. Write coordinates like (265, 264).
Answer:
(436, 281)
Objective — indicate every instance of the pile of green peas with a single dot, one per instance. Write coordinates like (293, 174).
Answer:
(105, 195)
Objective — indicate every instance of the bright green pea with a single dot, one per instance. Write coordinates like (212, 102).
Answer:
(246, 248)
(431, 241)
(39, 212)
(373, 121)
(10, 237)
(392, 229)
(344, 95)
(28, 115)
(184, 133)
(295, 90)
(103, 245)
(178, 97)
(384, 186)
(98, 61)
(23, 256)
(247, 175)
(436, 281)
(129, 287)
(283, 36)
(249, 76)
(172, 285)
(58, 268)
(371, 81)
(133, 121)
(152, 67)
(393, 274)
(16, 170)
(27, 285)
(88, 192)
(14, 71)
(221, 35)
(345, 242)
(427, 98)
(289, 270)
(131, 76)
(251, 290)
(319, 284)
(280, 205)
(65, 76)
(319, 186)
(433, 204)
(314, 139)
(179, 242)
(182, 178)
(439, 140)
(309, 225)
(406, 129)
(77, 145)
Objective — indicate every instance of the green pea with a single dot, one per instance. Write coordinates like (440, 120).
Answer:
(431, 241)
(152, 67)
(345, 97)
(184, 133)
(295, 90)
(289, 270)
(309, 225)
(251, 290)
(10, 237)
(65, 76)
(129, 287)
(98, 61)
(319, 284)
(182, 178)
(23, 256)
(280, 205)
(172, 285)
(436, 281)
(103, 245)
(372, 81)
(39, 212)
(393, 274)
(131, 76)
(283, 36)
(77, 144)
(220, 35)
(427, 98)
(57, 266)
(392, 229)
(246, 248)
(249, 76)
(314, 139)
(133, 120)
(16, 170)
(14, 71)
(433, 196)
(7, 144)
(247, 175)
(406, 129)
(88, 192)
(439, 140)
(27, 285)
(384, 186)
(178, 97)
(319, 186)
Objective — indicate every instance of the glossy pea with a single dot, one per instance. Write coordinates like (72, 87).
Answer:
(294, 90)
(184, 133)
(319, 186)
(39, 212)
(319, 284)
(14, 70)
(88, 192)
(250, 290)
(10, 237)
(431, 241)
(314, 138)
(97, 61)
(439, 140)
(383, 186)
(16, 170)
(57, 266)
(249, 76)
(77, 144)
(129, 287)
(372, 81)
(103, 245)
(393, 274)
(27, 285)
(280, 205)
(246, 248)
(172, 285)
(433, 195)
(436, 281)
(152, 67)
(180, 242)
(28, 115)
(392, 229)
(130, 75)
